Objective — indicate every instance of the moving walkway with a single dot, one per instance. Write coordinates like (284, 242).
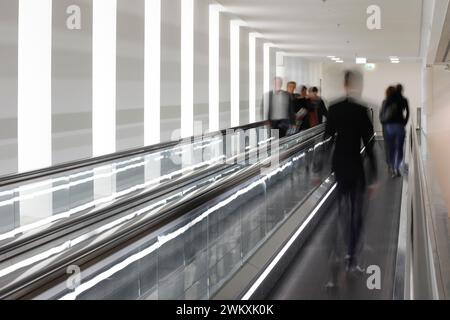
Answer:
(252, 230)
(310, 271)
(24, 273)
(405, 254)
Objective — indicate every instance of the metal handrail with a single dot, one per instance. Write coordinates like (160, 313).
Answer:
(73, 165)
(418, 276)
(26, 286)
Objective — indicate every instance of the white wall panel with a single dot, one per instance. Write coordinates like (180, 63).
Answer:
(170, 69)
(34, 84)
(259, 79)
(152, 73)
(438, 129)
(224, 72)
(201, 66)
(34, 99)
(302, 71)
(104, 41)
(187, 68)
(71, 81)
(235, 72)
(252, 76)
(244, 87)
(130, 74)
(214, 67)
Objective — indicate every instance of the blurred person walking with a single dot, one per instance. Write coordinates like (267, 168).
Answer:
(290, 88)
(390, 92)
(302, 109)
(395, 116)
(280, 114)
(294, 108)
(318, 110)
(349, 124)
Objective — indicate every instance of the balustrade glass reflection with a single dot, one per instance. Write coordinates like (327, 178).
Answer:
(194, 256)
(34, 205)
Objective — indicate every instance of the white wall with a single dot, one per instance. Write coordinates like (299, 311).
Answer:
(224, 72)
(259, 79)
(375, 83)
(170, 69)
(130, 74)
(438, 125)
(72, 84)
(302, 71)
(201, 64)
(244, 76)
(78, 84)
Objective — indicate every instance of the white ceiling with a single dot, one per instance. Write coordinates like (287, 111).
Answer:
(319, 28)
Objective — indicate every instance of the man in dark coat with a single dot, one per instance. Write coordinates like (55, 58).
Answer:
(349, 124)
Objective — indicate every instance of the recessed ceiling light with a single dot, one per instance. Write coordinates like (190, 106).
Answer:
(395, 61)
(361, 60)
(331, 57)
(339, 61)
(335, 59)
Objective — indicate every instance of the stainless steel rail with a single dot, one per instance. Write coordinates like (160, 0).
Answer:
(419, 274)
(35, 174)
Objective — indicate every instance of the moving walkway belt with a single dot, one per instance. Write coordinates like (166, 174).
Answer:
(310, 270)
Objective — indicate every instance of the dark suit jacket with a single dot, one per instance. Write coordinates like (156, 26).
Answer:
(349, 124)
(322, 112)
(319, 107)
